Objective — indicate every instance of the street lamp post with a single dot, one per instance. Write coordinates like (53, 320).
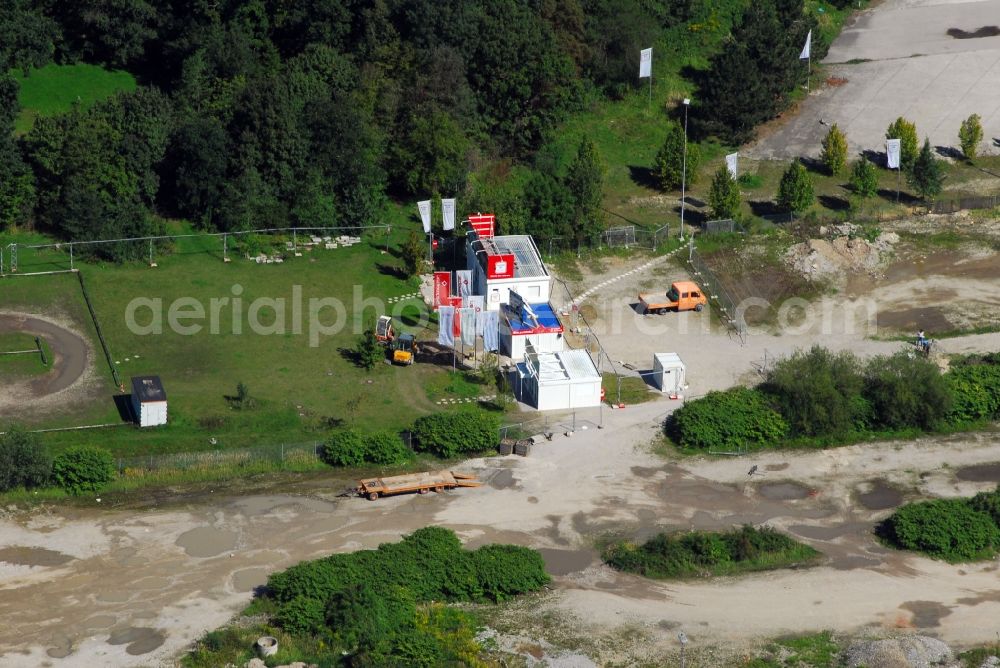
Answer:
(687, 103)
(682, 637)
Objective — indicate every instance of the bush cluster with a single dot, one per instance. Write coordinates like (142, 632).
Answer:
(733, 419)
(700, 552)
(949, 529)
(372, 603)
(83, 469)
(458, 433)
(23, 460)
(350, 447)
(819, 394)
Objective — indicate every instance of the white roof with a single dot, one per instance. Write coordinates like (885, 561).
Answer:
(527, 261)
(666, 360)
(566, 367)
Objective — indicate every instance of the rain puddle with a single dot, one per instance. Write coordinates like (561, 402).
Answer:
(503, 480)
(262, 505)
(140, 640)
(783, 491)
(879, 495)
(979, 473)
(248, 579)
(926, 614)
(33, 556)
(206, 541)
(564, 562)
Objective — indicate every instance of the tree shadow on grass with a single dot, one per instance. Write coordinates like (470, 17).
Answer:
(950, 152)
(351, 356)
(876, 158)
(389, 270)
(643, 176)
(765, 208)
(834, 203)
(904, 197)
(815, 166)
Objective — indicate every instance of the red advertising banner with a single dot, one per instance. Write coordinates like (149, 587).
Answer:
(483, 224)
(442, 288)
(500, 266)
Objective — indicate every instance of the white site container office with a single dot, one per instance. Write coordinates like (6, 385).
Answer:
(669, 372)
(558, 381)
(505, 263)
(149, 401)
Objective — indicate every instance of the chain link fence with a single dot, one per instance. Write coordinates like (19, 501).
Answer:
(724, 226)
(280, 453)
(722, 299)
(265, 245)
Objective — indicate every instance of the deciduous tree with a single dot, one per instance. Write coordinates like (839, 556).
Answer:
(834, 154)
(969, 135)
(906, 133)
(864, 178)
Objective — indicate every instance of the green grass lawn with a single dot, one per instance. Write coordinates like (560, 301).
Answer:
(634, 390)
(54, 89)
(18, 366)
(301, 389)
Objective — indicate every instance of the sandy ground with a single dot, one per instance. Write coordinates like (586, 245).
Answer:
(129, 588)
(912, 68)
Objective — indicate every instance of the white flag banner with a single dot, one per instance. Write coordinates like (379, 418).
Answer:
(807, 49)
(448, 213)
(731, 164)
(446, 324)
(478, 304)
(646, 63)
(491, 331)
(463, 282)
(892, 153)
(425, 214)
(467, 316)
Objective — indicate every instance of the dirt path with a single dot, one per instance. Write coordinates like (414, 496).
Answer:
(73, 357)
(84, 588)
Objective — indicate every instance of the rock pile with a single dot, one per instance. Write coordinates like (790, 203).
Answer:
(905, 652)
(839, 253)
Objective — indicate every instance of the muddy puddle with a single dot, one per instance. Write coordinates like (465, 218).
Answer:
(564, 562)
(140, 640)
(249, 579)
(926, 614)
(503, 480)
(206, 541)
(980, 473)
(264, 505)
(783, 491)
(928, 318)
(879, 495)
(33, 556)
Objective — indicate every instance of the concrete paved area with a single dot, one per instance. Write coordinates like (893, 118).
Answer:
(913, 68)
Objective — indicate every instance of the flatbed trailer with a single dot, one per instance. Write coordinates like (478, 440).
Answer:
(421, 483)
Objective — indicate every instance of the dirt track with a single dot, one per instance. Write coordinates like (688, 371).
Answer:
(72, 354)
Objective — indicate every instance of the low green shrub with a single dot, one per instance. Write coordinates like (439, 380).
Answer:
(23, 460)
(974, 386)
(988, 503)
(698, 552)
(729, 420)
(906, 391)
(456, 433)
(372, 604)
(949, 529)
(349, 447)
(504, 571)
(83, 469)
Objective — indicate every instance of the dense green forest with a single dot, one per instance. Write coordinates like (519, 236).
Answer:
(253, 113)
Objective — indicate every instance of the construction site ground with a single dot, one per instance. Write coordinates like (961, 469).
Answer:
(131, 587)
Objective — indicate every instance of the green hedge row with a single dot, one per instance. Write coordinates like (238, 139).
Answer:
(444, 435)
(819, 396)
(949, 529)
(704, 552)
(24, 462)
(369, 603)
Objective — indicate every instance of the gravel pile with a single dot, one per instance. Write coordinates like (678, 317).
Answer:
(830, 258)
(906, 652)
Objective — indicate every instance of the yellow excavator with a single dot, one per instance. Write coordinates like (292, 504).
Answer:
(402, 349)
